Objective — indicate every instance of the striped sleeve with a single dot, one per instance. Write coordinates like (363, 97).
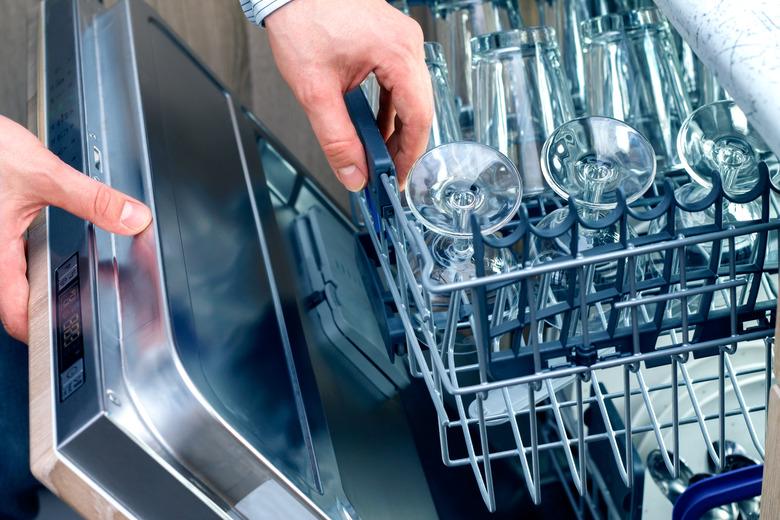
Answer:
(257, 10)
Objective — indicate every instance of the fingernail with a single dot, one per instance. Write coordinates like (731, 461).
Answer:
(351, 177)
(135, 217)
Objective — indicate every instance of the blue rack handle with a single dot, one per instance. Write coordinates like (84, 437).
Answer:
(726, 488)
(377, 155)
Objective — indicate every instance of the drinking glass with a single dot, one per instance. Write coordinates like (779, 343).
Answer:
(634, 75)
(521, 95)
(445, 187)
(702, 86)
(602, 7)
(699, 81)
(444, 126)
(456, 22)
(565, 16)
(719, 138)
(698, 256)
(589, 158)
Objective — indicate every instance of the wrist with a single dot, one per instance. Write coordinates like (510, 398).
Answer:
(259, 11)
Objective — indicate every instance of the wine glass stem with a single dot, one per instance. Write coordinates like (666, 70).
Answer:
(462, 216)
(593, 191)
(588, 213)
(462, 249)
(729, 176)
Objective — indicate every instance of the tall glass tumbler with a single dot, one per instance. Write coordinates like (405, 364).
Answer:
(634, 75)
(565, 16)
(456, 22)
(703, 88)
(601, 7)
(445, 127)
(520, 96)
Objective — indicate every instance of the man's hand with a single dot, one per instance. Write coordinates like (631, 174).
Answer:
(31, 178)
(324, 48)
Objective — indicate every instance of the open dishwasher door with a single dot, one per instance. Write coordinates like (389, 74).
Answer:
(184, 380)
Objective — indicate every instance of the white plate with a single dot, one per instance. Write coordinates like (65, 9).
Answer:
(494, 405)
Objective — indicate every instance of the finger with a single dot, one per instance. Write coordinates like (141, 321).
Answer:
(386, 116)
(94, 201)
(412, 98)
(336, 134)
(14, 290)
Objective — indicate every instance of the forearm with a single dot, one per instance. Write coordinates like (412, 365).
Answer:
(314, 43)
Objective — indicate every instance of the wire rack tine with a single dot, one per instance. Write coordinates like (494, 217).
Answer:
(608, 425)
(700, 419)
(512, 413)
(654, 421)
(575, 474)
(743, 407)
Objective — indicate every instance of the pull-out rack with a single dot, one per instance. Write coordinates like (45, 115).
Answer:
(584, 387)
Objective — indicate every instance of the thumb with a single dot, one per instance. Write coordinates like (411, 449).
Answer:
(96, 202)
(334, 130)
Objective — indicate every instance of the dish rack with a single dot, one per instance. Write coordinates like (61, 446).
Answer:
(674, 342)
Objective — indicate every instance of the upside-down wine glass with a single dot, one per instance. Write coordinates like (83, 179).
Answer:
(589, 159)
(445, 187)
(453, 182)
(718, 139)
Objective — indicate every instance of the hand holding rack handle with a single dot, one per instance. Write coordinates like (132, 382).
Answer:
(377, 156)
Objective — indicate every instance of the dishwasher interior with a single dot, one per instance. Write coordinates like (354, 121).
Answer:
(256, 353)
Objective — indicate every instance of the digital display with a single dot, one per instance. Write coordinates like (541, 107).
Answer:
(70, 339)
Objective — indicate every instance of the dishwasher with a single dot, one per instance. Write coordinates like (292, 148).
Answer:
(258, 353)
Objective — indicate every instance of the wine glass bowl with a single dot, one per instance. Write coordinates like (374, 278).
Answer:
(717, 138)
(698, 256)
(454, 181)
(589, 158)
